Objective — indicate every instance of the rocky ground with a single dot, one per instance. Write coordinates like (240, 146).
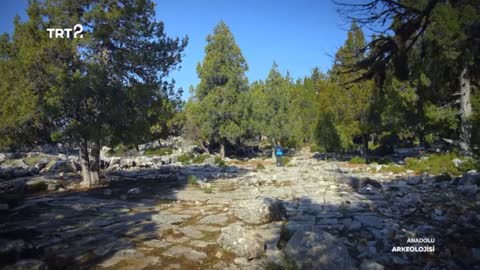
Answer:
(311, 214)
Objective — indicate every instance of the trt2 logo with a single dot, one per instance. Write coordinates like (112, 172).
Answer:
(66, 32)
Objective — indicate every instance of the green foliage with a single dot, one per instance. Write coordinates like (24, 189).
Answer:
(217, 109)
(475, 121)
(220, 162)
(119, 151)
(185, 158)
(436, 164)
(36, 186)
(199, 158)
(357, 160)
(260, 167)
(208, 190)
(162, 151)
(192, 180)
(32, 160)
(110, 87)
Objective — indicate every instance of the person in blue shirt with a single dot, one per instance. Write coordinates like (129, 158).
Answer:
(279, 154)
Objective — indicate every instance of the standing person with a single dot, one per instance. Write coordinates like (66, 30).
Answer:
(279, 154)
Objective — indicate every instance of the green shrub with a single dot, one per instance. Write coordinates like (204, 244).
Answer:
(220, 162)
(185, 158)
(162, 151)
(199, 158)
(119, 151)
(393, 168)
(208, 190)
(357, 160)
(31, 161)
(12, 162)
(192, 180)
(436, 164)
(36, 186)
(260, 166)
(315, 148)
(286, 161)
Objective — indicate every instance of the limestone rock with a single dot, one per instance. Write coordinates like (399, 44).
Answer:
(370, 265)
(64, 165)
(259, 211)
(470, 178)
(29, 264)
(218, 219)
(242, 242)
(317, 250)
(166, 218)
(188, 253)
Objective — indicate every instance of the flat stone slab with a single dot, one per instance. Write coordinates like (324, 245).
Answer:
(129, 255)
(369, 220)
(191, 233)
(327, 221)
(220, 219)
(155, 243)
(204, 228)
(200, 243)
(166, 218)
(188, 253)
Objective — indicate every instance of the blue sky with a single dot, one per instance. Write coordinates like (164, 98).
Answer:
(298, 35)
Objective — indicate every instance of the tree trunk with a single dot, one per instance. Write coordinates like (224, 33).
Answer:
(222, 150)
(465, 112)
(204, 147)
(85, 163)
(95, 164)
(422, 139)
(365, 146)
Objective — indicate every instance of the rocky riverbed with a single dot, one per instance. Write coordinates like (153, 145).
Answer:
(309, 214)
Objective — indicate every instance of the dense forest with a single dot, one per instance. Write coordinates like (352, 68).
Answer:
(415, 82)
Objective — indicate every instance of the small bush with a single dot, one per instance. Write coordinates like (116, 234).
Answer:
(119, 151)
(199, 158)
(436, 164)
(208, 190)
(192, 180)
(31, 161)
(185, 158)
(357, 160)
(393, 168)
(220, 162)
(260, 166)
(315, 148)
(162, 151)
(36, 186)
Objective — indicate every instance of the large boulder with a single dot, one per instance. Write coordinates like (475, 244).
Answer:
(470, 178)
(3, 157)
(242, 242)
(15, 164)
(317, 250)
(127, 163)
(259, 211)
(42, 163)
(63, 165)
